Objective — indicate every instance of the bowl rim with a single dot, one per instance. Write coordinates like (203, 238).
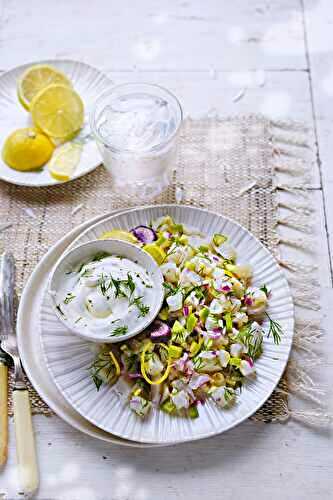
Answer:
(51, 290)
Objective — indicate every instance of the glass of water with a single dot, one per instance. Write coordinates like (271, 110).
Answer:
(136, 127)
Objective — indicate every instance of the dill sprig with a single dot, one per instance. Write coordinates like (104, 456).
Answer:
(129, 283)
(170, 289)
(103, 362)
(60, 310)
(104, 285)
(143, 308)
(120, 330)
(275, 330)
(253, 343)
(228, 394)
(264, 289)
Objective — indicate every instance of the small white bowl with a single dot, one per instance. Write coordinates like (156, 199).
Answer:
(84, 253)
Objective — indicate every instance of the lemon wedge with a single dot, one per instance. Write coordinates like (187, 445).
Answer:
(156, 252)
(64, 161)
(36, 78)
(58, 111)
(27, 149)
(119, 234)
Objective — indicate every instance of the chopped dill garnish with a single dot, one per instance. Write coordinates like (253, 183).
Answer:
(265, 290)
(103, 363)
(97, 381)
(86, 273)
(99, 256)
(117, 285)
(129, 283)
(275, 330)
(78, 319)
(228, 394)
(120, 330)
(69, 297)
(103, 284)
(60, 310)
(171, 289)
(253, 342)
(143, 309)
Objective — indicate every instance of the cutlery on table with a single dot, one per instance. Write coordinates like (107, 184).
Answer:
(25, 441)
(4, 362)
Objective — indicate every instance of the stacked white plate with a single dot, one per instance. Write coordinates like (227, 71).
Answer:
(57, 361)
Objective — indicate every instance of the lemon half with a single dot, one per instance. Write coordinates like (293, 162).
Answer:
(58, 111)
(35, 79)
(27, 149)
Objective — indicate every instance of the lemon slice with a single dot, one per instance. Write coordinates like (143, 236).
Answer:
(64, 161)
(156, 252)
(119, 234)
(58, 111)
(27, 149)
(36, 78)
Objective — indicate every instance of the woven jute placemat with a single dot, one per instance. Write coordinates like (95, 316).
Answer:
(228, 165)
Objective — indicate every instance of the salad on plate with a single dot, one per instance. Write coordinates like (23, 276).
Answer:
(208, 335)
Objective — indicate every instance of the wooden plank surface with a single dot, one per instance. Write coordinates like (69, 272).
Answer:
(177, 35)
(319, 43)
(206, 53)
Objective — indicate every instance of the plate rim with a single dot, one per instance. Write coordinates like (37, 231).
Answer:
(292, 318)
(54, 182)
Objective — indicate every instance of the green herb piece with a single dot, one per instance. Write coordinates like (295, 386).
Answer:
(117, 285)
(69, 297)
(228, 394)
(60, 310)
(86, 273)
(275, 330)
(104, 285)
(97, 381)
(265, 290)
(171, 289)
(143, 308)
(103, 369)
(129, 283)
(78, 319)
(199, 293)
(99, 256)
(120, 330)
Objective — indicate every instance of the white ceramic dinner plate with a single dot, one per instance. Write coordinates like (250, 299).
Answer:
(89, 82)
(68, 357)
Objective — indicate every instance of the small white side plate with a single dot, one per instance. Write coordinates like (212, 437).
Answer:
(89, 82)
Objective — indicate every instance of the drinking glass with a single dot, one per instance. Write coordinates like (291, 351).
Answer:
(136, 126)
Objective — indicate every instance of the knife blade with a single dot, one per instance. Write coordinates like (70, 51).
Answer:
(25, 441)
(4, 361)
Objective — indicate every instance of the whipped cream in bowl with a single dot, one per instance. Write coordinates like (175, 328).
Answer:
(106, 290)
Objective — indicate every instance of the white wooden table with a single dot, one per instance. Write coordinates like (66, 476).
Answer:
(207, 52)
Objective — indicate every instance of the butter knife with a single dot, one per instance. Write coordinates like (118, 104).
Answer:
(4, 361)
(25, 441)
